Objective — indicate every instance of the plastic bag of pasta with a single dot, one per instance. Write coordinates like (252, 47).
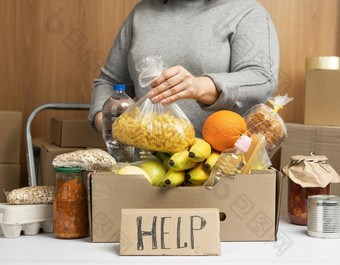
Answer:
(153, 126)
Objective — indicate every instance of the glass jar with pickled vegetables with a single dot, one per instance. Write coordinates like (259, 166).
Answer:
(307, 175)
(70, 219)
(297, 201)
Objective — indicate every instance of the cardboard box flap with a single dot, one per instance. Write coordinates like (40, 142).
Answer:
(279, 184)
(248, 202)
(89, 200)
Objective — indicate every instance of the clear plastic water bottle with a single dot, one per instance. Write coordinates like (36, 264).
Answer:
(232, 161)
(112, 108)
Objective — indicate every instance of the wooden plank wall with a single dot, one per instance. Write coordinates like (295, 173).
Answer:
(51, 50)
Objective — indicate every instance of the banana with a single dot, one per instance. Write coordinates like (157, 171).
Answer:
(200, 151)
(180, 161)
(198, 175)
(211, 160)
(173, 178)
(164, 158)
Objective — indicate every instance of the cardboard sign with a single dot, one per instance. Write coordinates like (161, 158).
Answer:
(170, 232)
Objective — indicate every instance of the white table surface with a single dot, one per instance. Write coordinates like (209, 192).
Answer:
(294, 246)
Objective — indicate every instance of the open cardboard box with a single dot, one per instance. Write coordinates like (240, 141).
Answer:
(248, 204)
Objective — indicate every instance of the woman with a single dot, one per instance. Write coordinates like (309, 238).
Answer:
(222, 55)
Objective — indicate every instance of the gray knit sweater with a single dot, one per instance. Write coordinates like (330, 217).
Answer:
(233, 42)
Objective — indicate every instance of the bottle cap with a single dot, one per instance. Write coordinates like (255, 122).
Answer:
(119, 87)
(243, 143)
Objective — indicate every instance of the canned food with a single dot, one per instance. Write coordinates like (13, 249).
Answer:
(323, 216)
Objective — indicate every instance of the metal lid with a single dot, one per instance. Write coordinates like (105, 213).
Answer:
(68, 170)
(327, 200)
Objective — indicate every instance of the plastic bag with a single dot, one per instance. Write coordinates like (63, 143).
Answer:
(87, 159)
(31, 195)
(153, 126)
(256, 157)
(265, 120)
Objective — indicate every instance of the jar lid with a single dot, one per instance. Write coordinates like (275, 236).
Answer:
(68, 169)
(311, 171)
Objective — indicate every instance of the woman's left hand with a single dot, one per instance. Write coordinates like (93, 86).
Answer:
(173, 84)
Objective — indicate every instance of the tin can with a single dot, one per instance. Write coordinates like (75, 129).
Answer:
(323, 216)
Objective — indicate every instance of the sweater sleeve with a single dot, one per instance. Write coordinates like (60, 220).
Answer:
(254, 65)
(115, 70)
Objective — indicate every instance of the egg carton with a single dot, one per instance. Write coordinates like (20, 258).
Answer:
(27, 218)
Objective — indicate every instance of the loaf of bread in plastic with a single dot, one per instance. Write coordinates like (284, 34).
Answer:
(263, 119)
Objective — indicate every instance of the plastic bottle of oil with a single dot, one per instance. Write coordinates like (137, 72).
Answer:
(232, 161)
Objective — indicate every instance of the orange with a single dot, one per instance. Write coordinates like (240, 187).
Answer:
(223, 128)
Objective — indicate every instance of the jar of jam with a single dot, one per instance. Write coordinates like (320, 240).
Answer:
(70, 219)
(297, 201)
(307, 175)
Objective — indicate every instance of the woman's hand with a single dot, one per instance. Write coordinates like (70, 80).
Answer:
(176, 83)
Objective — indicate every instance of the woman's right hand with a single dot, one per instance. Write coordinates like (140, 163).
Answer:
(98, 121)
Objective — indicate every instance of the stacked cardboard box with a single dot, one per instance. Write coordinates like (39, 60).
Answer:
(321, 129)
(74, 133)
(322, 98)
(66, 135)
(10, 131)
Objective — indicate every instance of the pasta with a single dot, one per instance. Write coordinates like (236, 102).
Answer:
(153, 131)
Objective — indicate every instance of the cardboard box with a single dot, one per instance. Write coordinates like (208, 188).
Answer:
(45, 171)
(322, 95)
(9, 179)
(304, 139)
(248, 204)
(159, 232)
(10, 131)
(74, 133)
